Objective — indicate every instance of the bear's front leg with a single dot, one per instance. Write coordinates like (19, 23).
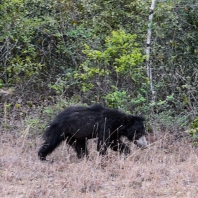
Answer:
(118, 145)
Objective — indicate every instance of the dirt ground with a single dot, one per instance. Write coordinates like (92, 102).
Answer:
(167, 168)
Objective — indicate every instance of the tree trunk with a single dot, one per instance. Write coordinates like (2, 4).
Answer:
(148, 67)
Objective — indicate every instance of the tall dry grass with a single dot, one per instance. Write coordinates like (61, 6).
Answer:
(168, 168)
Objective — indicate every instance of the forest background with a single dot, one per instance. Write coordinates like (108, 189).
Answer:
(58, 53)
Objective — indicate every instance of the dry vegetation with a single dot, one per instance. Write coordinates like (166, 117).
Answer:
(168, 168)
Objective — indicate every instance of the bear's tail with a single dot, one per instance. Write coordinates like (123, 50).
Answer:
(53, 138)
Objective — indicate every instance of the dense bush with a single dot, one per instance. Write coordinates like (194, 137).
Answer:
(93, 51)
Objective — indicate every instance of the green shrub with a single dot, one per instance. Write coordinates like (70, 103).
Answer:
(193, 130)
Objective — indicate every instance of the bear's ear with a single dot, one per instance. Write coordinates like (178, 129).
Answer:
(139, 118)
(142, 117)
(132, 119)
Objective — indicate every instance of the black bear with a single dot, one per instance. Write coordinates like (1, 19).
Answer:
(78, 123)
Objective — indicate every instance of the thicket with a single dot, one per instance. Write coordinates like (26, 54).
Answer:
(94, 51)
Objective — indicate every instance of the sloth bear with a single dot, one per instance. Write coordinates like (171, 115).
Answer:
(78, 123)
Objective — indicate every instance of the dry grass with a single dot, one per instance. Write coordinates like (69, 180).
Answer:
(168, 168)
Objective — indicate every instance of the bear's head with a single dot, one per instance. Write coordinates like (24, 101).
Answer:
(136, 131)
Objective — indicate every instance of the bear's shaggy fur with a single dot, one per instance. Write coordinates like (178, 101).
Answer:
(77, 124)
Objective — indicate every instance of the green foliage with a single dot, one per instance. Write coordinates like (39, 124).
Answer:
(34, 39)
(166, 121)
(121, 55)
(119, 61)
(174, 54)
(93, 51)
(20, 55)
(193, 130)
(106, 16)
(117, 99)
(35, 125)
(140, 103)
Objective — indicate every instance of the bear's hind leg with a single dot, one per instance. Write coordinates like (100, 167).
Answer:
(81, 148)
(49, 145)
